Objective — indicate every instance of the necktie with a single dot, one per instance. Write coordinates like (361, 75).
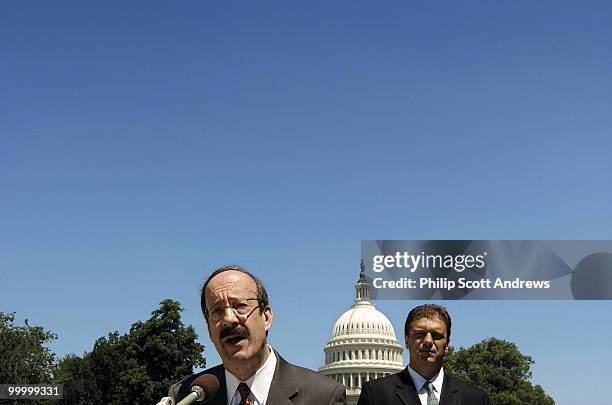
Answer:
(431, 397)
(245, 394)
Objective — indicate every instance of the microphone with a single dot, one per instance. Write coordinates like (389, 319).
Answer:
(203, 389)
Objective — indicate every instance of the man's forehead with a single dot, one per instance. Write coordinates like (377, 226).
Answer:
(427, 322)
(230, 281)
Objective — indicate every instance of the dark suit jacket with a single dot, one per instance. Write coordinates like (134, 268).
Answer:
(291, 385)
(399, 389)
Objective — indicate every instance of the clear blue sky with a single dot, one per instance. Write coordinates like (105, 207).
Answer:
(144, 143)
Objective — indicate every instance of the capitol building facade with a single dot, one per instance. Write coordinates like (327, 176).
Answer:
(363, 345)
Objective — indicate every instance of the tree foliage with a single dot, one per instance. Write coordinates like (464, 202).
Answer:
(137, 367)
(500, 369)
(24, 359)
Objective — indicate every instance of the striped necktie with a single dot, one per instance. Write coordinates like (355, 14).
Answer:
(245, 394)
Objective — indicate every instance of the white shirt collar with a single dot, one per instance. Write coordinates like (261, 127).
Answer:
(419, 381)
(259, 383)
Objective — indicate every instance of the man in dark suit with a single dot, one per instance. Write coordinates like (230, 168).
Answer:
(238, 315)
(423, 382)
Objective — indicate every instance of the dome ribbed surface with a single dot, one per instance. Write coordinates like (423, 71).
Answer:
(363, 319)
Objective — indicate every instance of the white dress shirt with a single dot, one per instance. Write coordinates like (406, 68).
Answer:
(259, 383)
(419, 384)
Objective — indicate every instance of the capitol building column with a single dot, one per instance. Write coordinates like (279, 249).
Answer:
(363, 345)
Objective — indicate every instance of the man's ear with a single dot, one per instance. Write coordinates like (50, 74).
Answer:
(446, 347)
(406, 340)
(268, 315)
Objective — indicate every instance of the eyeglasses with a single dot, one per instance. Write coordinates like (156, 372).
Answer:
(240, 308)
(423, 335)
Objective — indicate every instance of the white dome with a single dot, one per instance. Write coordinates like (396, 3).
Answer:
(363, 345)
(363, 319)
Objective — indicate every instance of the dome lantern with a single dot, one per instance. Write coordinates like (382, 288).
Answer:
(362, 287)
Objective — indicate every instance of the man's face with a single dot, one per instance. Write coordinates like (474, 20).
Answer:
(427, 343)
(239, 339)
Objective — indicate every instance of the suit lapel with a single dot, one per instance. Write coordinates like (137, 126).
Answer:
(284, 385)
(404, 389)
(449, 395)
(221, 397)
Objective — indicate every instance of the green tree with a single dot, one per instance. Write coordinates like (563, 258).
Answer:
(499, 368)
(137, 367)
(80, 385)
(24, 359)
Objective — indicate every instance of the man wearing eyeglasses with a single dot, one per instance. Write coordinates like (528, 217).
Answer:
(423, 382)
(238, 315)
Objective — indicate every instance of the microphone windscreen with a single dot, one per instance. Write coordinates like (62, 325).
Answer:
(209, 383)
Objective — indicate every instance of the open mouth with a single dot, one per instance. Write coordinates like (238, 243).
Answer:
(233, 336)
(232, 340)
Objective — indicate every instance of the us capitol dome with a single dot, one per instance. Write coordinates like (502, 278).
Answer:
(363, 345)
